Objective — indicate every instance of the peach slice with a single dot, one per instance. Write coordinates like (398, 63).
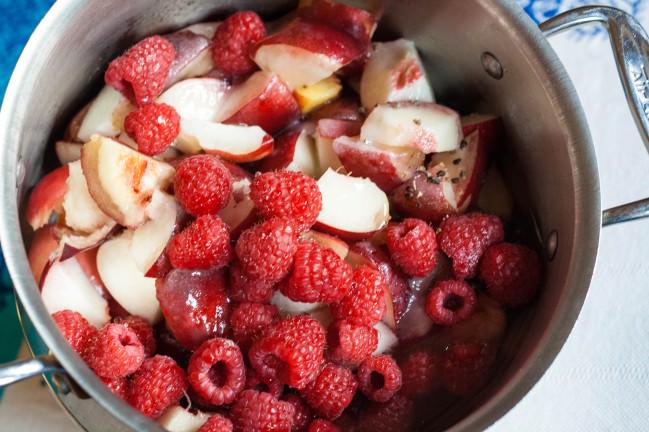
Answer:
(67, 151)
(44, 248)
(179, 419)
(197, 98)
(294, 150)
(359, 23)
(428, 195)
(47, 197)
(286, 306)
(81, 211)
(387, 339)
(325, 240)
(193, 56)
(239, 213)
(105, 115)
(315, 95)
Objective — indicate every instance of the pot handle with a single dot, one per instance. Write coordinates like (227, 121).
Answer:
(11, 373)
(631, 49)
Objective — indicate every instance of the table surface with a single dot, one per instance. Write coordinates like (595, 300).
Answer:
(598, 380)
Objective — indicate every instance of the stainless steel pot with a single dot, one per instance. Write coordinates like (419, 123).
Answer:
(482, 55)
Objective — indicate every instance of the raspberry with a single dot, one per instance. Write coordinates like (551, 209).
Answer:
(290, 351)
(203, 184)
(331, 392)
(465, 367)
(322, 425)
(511, 272)
(289, 194)
(379, 378)
(217, 423)
(319, 275)
(266, 250)
(119, 386)
(243, 288)
(395, 415)
(153, 127)
(142, 329)
(365, 302)
(256, 411)
(350, 344)
(140, 73)
(254, 382)
(303, 413)
(464, 239)
(204, 244)
(249, 320)
(413, 246)
(216, 371)
(115, 352)
(75, 329)
(450, 302)
(233, 41)
(158, 384)
(420, 374)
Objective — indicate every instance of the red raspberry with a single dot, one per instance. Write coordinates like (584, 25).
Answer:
(216, 371)
(413, 246)
(142, 329)
(256, 411)
(350, 344)
(303, 414)
(322, 425)
(319, 275)
(379, 378)
(217, 423)
(266, 250)
(331, 392)
(153, 127)
(158, 384)
(254, 382)
(249, 320)
(395, 415)
(450, 302)
(420, 374)
(465, 367)
(140, 73)
(233, 41)
(464, 238)
(511, 272)
(119, 386)
(115, 352)
(291, 351)
(289, 194)
(204, 244)
(243, 288)
(203, 184)
(75, 329)
(365, 302)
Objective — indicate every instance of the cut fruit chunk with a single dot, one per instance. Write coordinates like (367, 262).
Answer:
(358, 23)
(205, 29)
(71, 242)
(286, 306)
(315, 95)
(67, 151)
(294, 150)
(122, 180)
(352, 207)
(193, 56)
(325, 240)
(239, 213)
(105, 115)
(428, 195)
(387, 339)
(425, 126)
(327, 131)
(394, 73)
(179, 419)
(197, 98)
(81, 211)
(47, 197)
(44, 248)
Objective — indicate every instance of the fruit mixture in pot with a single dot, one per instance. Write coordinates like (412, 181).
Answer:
(274, 227)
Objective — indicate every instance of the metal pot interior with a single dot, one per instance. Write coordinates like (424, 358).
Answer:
(553, 170)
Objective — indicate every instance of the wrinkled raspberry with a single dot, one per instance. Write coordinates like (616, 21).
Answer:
(140, 73)
(204, 244)
(420, 374)
(331, 392)
(266, 250)
(465, 367)
(153, 127)
(158, 384)
(289, 194)
(464, 238)
(365, 302)
(379, 377)
(256, 411)
(395, 415)
(142, 329)
(203, 184)
(217, 423)
(119, 386)
(319, 275)
(511, 272)
(413, 246)
(233, 41)
(243, 288)
(254, 382)
(115, 351)
(249, 320)
(216, 371)
(290, 351)
(75, 329)
(303, 413)
(322, 425)
(350, 344)
(450, 302)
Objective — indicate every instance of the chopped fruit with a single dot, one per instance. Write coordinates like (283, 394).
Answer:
(428, 195)
(387, 338)
(217, 423)
(216, 371)
(413, 246)
(465, 367)
(395, 415)
(239, 213)
(193, 55)
(157, 385)
(359, 23)
(142, 329)
(204, 244)
(303, 413)
(115, 351)
(43, 251)
(294, 150)
(365, 302)
(203, 184)
(140, 73)
(255, 411)
(81, 212)
(319, 275)
(243, 288)
(67, 152)
(331, 392)
(349, 344)
(154, 127)
(465, 238)
(287, 307)
(248, 321)
(47, 197)
(322, 425)
(266, 250)
(511, 272)
(198, 98)
(290, 351)
(179, 419)
(75, 329)
(233, 41)
(421, 374)
(325, 240)
(450, 302)
(104, 115)
(379, 378)
(315, 95)
(344, 108)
